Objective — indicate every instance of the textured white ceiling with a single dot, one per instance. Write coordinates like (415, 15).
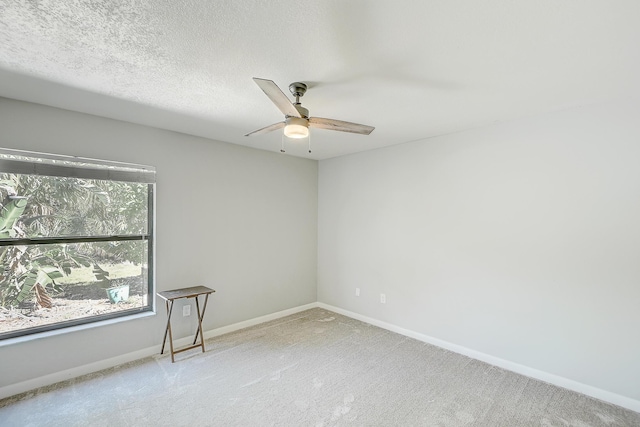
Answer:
(412, 69)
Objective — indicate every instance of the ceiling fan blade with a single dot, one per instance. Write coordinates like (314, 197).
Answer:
(266, 129)
(340, 126)
(277, 97)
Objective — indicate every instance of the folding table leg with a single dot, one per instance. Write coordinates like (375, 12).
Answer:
(166, 330)
(200, 318)
(169, 305)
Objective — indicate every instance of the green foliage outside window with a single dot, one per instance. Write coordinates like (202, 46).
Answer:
(33, 206)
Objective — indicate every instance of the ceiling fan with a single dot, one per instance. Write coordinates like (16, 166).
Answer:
(297, 122)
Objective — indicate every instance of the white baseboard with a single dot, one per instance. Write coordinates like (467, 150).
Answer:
(256, 321)
(607, 396)
(32, 384)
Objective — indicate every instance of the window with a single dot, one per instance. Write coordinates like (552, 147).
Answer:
(76, 241)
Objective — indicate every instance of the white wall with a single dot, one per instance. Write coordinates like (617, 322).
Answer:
(520, 240)
(239, 220)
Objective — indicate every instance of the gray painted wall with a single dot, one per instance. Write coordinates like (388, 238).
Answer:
(239, 220)
(520, 240)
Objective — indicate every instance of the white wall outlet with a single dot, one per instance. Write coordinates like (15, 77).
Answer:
(383, 298)
(357, 292)
(186, 310)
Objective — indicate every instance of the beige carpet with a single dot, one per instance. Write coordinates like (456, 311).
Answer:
(315, 368)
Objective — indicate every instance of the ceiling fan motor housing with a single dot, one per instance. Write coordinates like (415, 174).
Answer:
(298, 89)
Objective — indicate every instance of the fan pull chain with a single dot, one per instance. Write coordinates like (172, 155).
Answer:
(309, 137)
(282, 148)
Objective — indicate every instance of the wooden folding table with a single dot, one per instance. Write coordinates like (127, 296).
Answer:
(169, 297)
